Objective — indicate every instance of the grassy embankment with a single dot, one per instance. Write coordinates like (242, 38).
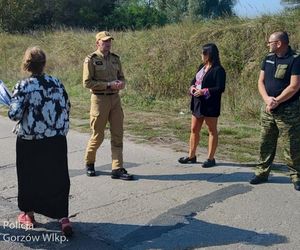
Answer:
(159, 64)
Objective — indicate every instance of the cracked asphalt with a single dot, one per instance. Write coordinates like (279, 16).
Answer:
(167, 206)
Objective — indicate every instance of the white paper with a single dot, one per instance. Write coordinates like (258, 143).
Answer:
(5, 95)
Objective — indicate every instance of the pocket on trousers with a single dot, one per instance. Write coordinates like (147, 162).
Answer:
(94, 112)
(95, 106)
(280, 71)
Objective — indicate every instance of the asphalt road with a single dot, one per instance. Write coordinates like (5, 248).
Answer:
(168, 206)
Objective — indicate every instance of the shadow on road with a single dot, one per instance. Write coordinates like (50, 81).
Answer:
(177, 228)
(195, 234)
(100, 170)
(213, 177)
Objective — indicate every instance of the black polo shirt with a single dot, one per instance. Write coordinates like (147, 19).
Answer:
(278, 72)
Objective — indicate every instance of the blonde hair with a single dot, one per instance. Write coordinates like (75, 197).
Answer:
(34, 60)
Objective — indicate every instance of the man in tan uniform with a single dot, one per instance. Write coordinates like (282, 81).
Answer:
(103, 75)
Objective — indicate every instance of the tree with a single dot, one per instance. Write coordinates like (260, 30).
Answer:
(194, 8)
(24, 15)
(176, 10)
(291, 4)
(15, 14)
(135, 14)
(83, 13)
(210, 8)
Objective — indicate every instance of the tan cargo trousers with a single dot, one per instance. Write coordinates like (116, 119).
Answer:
(106, 108)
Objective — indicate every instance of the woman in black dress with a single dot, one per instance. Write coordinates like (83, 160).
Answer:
(206, 91)
(41, 106)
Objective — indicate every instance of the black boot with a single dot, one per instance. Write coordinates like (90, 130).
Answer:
(90, 170)
(258, 180)
(122, 174)
(297, 185)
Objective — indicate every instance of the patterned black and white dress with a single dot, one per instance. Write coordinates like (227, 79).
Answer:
(41, 106)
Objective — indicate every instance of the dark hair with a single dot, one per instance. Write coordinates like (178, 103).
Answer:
(283, 36)
(34, 60)
(212, 51)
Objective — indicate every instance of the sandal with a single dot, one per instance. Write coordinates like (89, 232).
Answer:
(187, 160)
(27, 220)
(66, 227)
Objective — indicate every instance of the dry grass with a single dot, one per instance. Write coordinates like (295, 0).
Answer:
(159, 64)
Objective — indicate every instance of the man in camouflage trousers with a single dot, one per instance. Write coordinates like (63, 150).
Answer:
(279, 87)
(103, 75)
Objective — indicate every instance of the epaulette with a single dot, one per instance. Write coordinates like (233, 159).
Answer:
(89, 57)
(115, 54)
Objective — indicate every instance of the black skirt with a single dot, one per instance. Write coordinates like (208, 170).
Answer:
(196, 106)
(206, 107)
(43, 177)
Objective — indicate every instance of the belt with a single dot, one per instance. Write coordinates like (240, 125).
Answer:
(104, 93)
